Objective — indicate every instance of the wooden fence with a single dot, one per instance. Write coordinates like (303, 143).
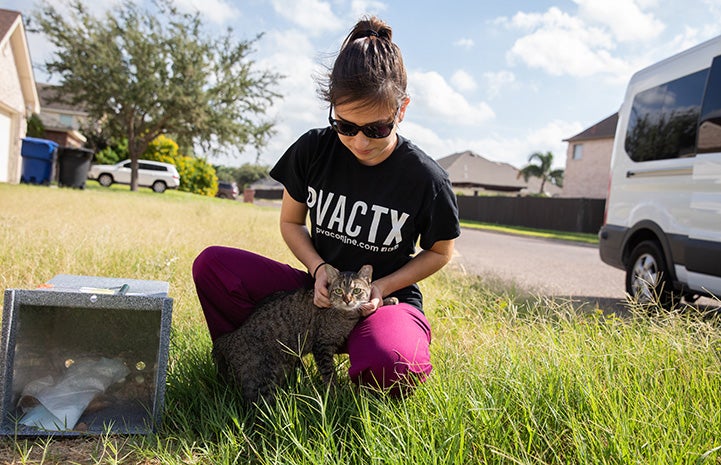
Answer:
(559, 214)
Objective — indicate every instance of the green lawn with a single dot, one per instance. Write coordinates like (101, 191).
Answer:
(517, 379)
(542, 233)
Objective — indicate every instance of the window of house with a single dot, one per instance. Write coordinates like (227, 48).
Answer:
(577, 151)
(664, 119)
(66, 121)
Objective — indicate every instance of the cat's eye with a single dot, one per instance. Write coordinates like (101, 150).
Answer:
(357, 290)
(338, 291)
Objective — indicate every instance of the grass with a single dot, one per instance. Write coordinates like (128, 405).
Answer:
(584, 238)
(517, 379)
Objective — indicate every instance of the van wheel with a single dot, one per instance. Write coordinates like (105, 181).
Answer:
(647, 276)
(159, 187)
(105, 180)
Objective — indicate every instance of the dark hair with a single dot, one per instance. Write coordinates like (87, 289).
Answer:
(368, 70)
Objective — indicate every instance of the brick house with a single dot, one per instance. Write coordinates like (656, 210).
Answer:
(18, 95)
(588, 160)
(62, 121)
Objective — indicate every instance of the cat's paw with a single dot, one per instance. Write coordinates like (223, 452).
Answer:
(390, 301)
(368, 308)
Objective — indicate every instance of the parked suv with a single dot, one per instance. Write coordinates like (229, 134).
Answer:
(154, 174)
(663, 212)
(227, 190)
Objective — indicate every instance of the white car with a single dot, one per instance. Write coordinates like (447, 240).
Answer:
(154, 174)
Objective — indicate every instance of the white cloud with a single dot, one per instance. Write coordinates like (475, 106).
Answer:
(360, 8)
(217, 11)
(624, 18)
(495, 82)
(561, 44)
(465, 43)
(427, 139)
(549, 138)
(514, 150)
(463, 81)
(314, 16)
(290, 53)
(434, 96)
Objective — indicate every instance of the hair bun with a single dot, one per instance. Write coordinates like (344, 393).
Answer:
(370, 27)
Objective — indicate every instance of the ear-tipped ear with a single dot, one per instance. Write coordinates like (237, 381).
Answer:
(366, 272)
(331, 272)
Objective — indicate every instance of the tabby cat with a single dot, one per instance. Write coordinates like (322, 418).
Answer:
(259, 355)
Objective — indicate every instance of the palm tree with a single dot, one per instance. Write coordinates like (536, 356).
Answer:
(542, 170)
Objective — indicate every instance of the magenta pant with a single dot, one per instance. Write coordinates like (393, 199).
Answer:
(383, 348)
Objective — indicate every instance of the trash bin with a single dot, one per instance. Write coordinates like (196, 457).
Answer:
(73, 166)
(38, 156)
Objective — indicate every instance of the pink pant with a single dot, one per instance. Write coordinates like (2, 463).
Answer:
(383, 348)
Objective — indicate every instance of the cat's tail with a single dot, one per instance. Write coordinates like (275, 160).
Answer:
(220, 359)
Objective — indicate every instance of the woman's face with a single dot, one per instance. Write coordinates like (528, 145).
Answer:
(369, 151)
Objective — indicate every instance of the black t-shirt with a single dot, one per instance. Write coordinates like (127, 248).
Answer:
(369, 214)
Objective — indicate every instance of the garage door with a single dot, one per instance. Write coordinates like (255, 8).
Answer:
(5, 125)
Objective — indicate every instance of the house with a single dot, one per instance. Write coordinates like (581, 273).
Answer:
(18, 95)
(588, 160)
(471, 174)
(62, 121)
(267, 188)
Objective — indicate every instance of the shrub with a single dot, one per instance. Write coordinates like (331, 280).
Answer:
(196, 175)
(112, 153)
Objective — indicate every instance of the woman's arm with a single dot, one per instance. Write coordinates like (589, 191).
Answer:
(296, 235)
(424, 264)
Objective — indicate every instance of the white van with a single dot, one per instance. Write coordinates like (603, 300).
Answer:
(663, 212)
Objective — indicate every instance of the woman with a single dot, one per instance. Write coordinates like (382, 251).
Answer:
(370, 195)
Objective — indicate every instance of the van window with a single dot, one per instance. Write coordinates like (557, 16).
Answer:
(663, 119)
(709, 131)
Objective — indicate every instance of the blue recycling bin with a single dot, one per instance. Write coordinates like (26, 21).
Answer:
(38, 156)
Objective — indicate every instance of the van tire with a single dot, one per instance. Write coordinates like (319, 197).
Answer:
(648, 280)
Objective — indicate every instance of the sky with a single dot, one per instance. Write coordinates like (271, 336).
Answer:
(503, 79)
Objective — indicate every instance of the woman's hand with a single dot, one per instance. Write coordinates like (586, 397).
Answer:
(376, 299)
(321, 297)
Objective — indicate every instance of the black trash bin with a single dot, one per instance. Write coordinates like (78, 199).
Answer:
(37, 155)
(73, 166)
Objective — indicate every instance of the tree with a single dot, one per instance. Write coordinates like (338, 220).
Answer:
(35, 127)
(244, 175)
(542, 170)
(144, 73)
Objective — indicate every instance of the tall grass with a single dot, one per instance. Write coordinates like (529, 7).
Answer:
(517, 378)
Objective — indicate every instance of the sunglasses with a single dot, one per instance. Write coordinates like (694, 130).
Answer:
(372, 130)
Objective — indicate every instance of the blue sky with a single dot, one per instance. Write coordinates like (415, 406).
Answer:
(502, 79)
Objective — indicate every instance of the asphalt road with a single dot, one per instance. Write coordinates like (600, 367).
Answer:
(541, 266)
(546, 267)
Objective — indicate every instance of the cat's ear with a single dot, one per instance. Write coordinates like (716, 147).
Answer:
(366, 272)
(331, 272)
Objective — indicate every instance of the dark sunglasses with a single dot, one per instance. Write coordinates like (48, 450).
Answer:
(372, 130)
